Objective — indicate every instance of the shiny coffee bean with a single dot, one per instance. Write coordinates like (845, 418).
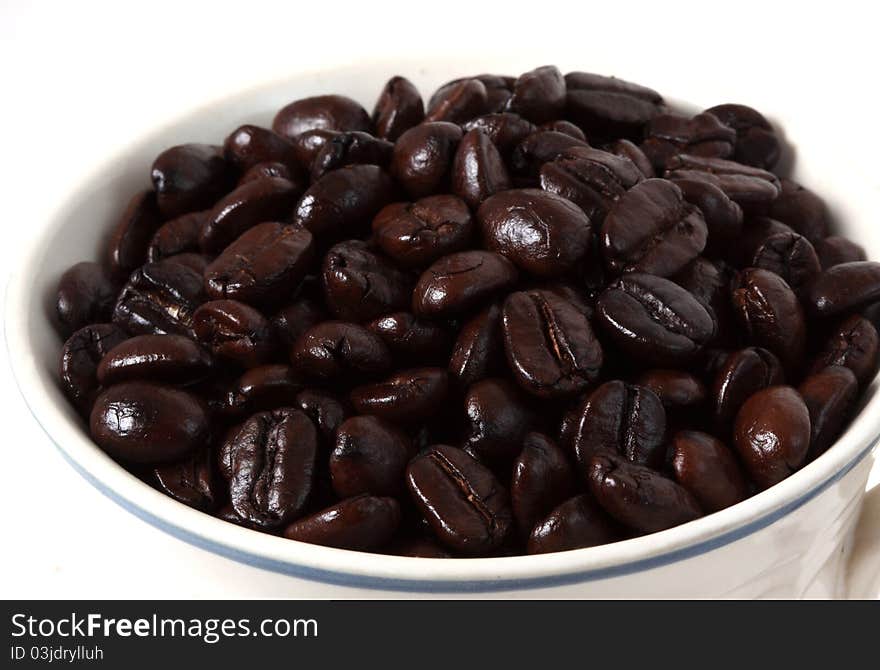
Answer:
(844, 288)
(265, 388)
(542, 479)
(575, 524)
(407, 396)
(478, 170)
(415, 234)
(620, 418)
(743, 373)
(130, 237)
(708, 470)
(461, 282)
(80, 356)
(307, 145)
(422, 158)
(190, 177)
(770, 314)
(192, 481)
(296, 318)
(352, 148)
(360, 285)
(723, 217)
(835, 250)
(321, 112)
(772, 434)
(854, 344)
(756, 143)
(668, 135)
(639, 497)
(465, 505)
(272, 464)
(652, 229)
(269, 199)
(506, 130)
(369, 456)
(248, 146)
(542, 233)
(458, 101)
(830, 395)
(398, 109)
(749, 187)
(343, 202)
(476, 353)
(234, 332)
(626, 149)
(86, 294)
(141, 422)
(607, 107)
(498, 91)
(498, 418)
(756, 231)
(792, 257)
(160, 298)
(654, 320)
(538, 149)
(412, 339)
(334, 350)
(325, 410)
(169, 359)
(566, 127)
(539, 95)
(180, 235)
(550, 345)
(263, 266)
(269, 170)
(364, 523)
(802, 210)
(676, 389)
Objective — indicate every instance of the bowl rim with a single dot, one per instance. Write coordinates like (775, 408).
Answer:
(360, 569)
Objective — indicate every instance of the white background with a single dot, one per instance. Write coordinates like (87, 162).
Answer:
(79, 78)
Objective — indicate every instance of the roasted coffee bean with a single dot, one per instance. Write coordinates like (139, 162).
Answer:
(575, 524)
(190, 177)
(593, 180)
(743, 373)
(606, 107)
(263, 266)
(844, 288)
(749, 187)
(498, 90)
(854, 345)
(364, 523)
(566, 127)
(539, 95)
(169, 359)
(498, 418)
(321, 112)
(621, 418)
(369, 456)
(639, 497)
(86, 294)
(412, 339)
(422, 158)
(292, 321)
(80, 356)
(654, 320)
(755, 233)
(352, 148)
(360, 285)
(800, 209)
(130, 238)
(668, 135)
(234, 332)
(248, 146)
(723, 217)
(272, 464)
(180, 235)
(550, 346)
(141, 422)
(197, 262)
(460, 282)
(344, 201)
(465, 505)
(307, 145)
(770, 314)
(325, 410)
(192, 481)
(709, 282)
(506, 130)
(334, 350)
(830, 395)
(478, 170)
(269, 199)
(407, 396)
(269, 170)
(772, 434)
(416, 234)
(756, 143)
(790, 256)
(458, 101)
(836, 250)
(538, 149)
(542, 479)
(676, 389)
(652, 229)
(708, 470)
(626, 149)
(542, 233)
(398, 109)
(477, 350)
(160, 298)
(265, 388)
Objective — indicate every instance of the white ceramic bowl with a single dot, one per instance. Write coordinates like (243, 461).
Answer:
(791, 540)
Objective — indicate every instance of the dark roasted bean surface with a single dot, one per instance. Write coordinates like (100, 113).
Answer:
(515, 315)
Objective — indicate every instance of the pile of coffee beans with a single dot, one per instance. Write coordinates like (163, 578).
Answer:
(536, 314)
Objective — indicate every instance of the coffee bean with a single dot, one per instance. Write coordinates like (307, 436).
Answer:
(265, 388)
(744, 373)
(708, 470)
(626, 149)
(498, 418)
(458, 101)
(412, 339)
(369, 456)
(325, 410)
(538, 149)
(607, 107)
(192, 481)
(234, 332)
(248, 146)
(321, 112)
(334, 350)
(756, 142)
(565, 127)
(854, 345)
(271, 170)
(749, 187)
(86, 294)
(398, 109)
(190, 177)
(505, 130)
(676, 389)
(80, 356)
(790, 256)
(539, 95)
(180, 235)
(802, 210)
(830, 396)
(709, 282)
(364, 523)
(407, 396)
(292, 321)
(477, 169)
(130, 238)
(477, 350)
(169, 359)
(668, 135)
(542, 479)
(575, 524)
(465, 505)
(422, 158)
(756, 231)
(836, 250)
(723, 217)
(352, 148)
(843, 288)
(307, 145)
